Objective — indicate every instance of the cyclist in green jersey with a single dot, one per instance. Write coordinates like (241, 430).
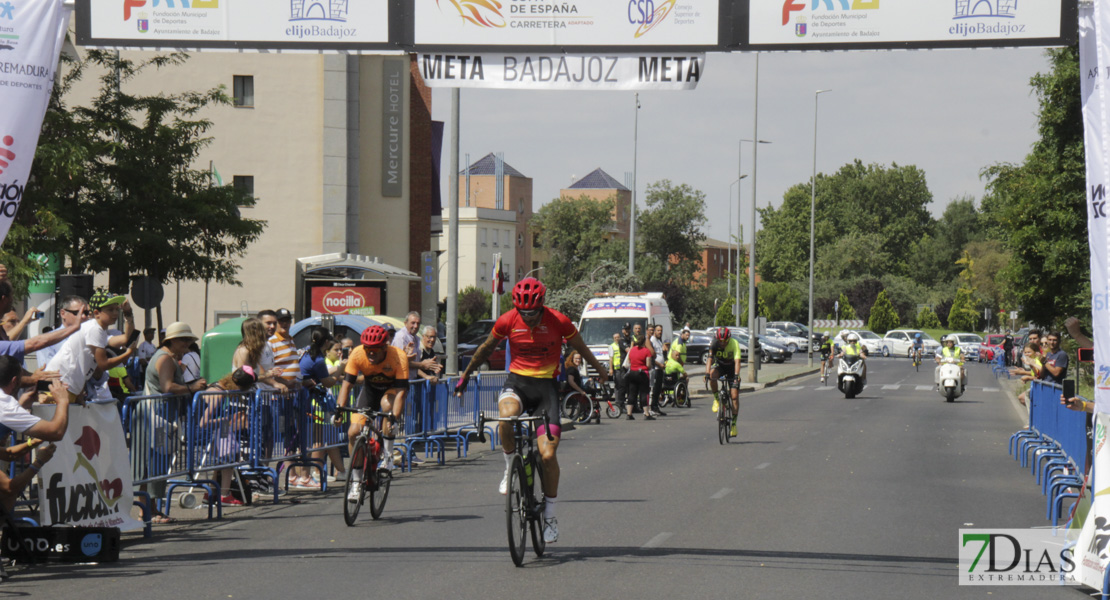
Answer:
(726, 362)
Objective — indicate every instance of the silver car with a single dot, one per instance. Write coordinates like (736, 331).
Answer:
(898, 342)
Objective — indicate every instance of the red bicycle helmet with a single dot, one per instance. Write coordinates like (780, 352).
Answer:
(722, 334)
(374, 335)
(528, 294)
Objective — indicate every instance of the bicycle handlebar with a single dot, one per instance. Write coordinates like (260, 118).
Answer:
(366, 412)
(483, 419)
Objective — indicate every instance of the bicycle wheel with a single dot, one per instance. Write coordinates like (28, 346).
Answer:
(722, 419)
(681, 395)
(574, 404)
(728, 422)
(350, 509)
(380, 493)
(612, 410)
(538, 505)
(516, 511)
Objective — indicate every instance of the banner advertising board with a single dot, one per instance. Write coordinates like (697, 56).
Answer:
(609, 23)
(340, 297)
(290, 24)
(563, 71)
(958, 23)
(88, 482)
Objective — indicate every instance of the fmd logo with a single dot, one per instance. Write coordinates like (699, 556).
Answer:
(976, 9)
(318, 10)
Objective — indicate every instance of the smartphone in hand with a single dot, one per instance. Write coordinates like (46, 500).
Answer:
(1069, 388)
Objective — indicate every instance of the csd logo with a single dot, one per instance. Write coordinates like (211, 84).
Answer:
(641, 12)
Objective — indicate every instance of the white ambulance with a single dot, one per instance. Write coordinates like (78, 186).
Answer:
(605, 314)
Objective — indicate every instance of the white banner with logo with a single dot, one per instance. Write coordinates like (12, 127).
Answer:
(31, 34)
(1094, 55)
(800, 22)
(1091, 551)
(88, 482)
(567, 23)
(279, 23)
(563, 71)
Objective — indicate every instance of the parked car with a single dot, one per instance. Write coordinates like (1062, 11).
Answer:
(795, 329)
(868, 339)
(969, 343)
(770, 351)
(784, 338)
(898, 342)
(992, 347)
(495, 362)
(697, 348)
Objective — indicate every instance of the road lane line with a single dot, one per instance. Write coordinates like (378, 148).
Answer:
(923, 388)
(721, 494)
(763, 466)
(892, 386)
(656, 541)
(986, 389)
(794, 388)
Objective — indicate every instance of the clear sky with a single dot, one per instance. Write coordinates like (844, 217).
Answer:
(949, 112)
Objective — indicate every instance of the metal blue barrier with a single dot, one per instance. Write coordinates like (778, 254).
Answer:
(278, 432)
(320, 433)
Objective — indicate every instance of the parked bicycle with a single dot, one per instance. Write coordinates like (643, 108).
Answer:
(367, 455)
(582, 408)
(524, 502)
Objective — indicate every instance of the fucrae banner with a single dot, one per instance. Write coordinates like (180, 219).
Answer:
(1094, 55)
(563, 71)
(31, 34)
(88, 482)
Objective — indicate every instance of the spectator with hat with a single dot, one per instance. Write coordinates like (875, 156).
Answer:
(165, 375)
(85, 353)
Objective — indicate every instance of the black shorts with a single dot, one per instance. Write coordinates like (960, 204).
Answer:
(371, 397)
(534, 393)
(728, 372)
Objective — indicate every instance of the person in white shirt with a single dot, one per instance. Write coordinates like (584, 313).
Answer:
(14, 414)
(146, 348)
(84, 355)
(406, 340)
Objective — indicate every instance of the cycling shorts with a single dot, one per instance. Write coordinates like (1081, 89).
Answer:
(371, 397)
(729, 374)
(534, 393)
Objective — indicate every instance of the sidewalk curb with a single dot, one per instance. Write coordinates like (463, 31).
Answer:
(761, 386)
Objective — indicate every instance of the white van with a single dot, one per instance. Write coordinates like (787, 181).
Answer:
(605, 314)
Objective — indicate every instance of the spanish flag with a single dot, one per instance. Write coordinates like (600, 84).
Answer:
(498, 278)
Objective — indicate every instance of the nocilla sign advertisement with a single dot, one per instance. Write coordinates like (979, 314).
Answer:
(831, 22)
(641, 23)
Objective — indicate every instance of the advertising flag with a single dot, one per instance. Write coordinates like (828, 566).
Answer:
(31, 35)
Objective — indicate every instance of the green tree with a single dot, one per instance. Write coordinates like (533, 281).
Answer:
(1038, 208)
(781, 302)
(574, 232)
(475, 304)
(927, 319)
(142, 207)
(889, 203)
(725, 316)
(847, 313)
(669, 233)
(963, 316)
(883, 316)
(605, 277)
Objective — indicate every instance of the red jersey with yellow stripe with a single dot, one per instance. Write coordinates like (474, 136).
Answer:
(535, 352)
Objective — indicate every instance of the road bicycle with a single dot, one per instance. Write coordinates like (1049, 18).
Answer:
(582, 408)
(524, 502)
(724, 409)
(367, 454)
(916, 359)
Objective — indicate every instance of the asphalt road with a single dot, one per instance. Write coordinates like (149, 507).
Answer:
(820, 497)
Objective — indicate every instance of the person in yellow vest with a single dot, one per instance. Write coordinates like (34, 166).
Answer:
(851, 348)
(951, 350)
(676, 357)
(617, 354)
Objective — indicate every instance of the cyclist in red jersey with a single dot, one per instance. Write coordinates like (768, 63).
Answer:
(536, 334)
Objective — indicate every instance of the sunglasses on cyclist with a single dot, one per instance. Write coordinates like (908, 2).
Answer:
(528, 314)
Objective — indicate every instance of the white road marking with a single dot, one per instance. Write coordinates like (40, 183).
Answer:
(721, 494)
(924, 388)
(893, 386)
(990, 389)
(763, 466)
(794, 388)
(656, 541)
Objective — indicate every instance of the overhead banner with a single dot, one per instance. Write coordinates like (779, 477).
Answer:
(88, 482)
(291, 24)
(798, 23)
(31, 34)
(638, 23)
(562, 71)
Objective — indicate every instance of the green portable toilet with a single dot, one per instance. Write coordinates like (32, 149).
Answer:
(217, 346)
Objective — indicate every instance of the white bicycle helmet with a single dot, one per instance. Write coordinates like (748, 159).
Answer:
(852, 338)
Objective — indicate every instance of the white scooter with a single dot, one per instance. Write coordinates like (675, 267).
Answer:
(948, 381)
(849, 376)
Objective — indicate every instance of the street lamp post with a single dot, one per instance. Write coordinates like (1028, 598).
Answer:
(812, 219)
(532, 271)
(632, 217)
(739, 227)
(739, 242)
(753, 364)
